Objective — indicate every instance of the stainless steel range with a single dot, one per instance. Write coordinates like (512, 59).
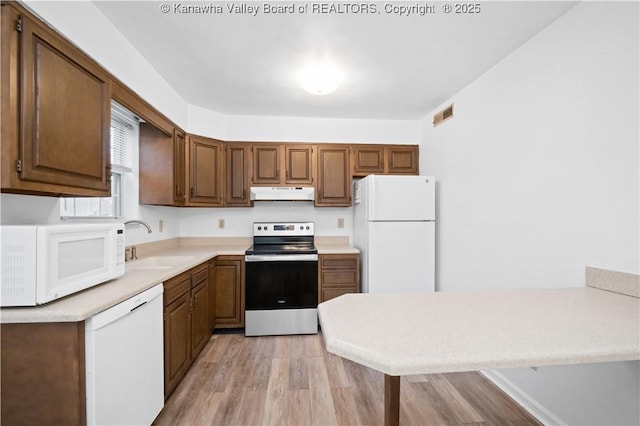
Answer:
(281, 280)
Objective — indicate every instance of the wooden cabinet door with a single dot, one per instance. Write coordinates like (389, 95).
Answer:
(179, 167)
(402, 159)
(238, 165)
(338, 274)
(229, 273)
(334, 177)
(205, 171)
(157, 166)
(43, 373)
(368, 159)
(266, 164)
(65, 114)
(199, 317)
(212, 295)
(177, 341)
(299, 164)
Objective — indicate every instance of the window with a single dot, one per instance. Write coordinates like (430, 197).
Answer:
(124, 137)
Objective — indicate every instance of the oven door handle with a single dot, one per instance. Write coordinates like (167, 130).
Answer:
(280, 257)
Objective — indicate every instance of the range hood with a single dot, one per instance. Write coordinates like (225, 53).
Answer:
(282, 193)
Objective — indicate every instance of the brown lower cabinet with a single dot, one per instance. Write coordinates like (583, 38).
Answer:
(186, 322)
(228, 272)
(338, 274)
(43, 374)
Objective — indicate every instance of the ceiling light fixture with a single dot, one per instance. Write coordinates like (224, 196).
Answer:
(320, 78)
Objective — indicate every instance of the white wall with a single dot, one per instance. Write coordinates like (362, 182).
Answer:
(238, 221)
(84, 24)
(28, 209)
(301, 129)
(305, 129)
(538, 169)
(583, 394)
(539, 176)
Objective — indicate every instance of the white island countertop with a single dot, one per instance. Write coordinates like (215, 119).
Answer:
(423, 333)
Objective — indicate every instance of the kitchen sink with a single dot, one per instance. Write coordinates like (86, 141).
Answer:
(158, 262)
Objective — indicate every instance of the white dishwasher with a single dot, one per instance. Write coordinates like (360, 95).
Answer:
(125, 362)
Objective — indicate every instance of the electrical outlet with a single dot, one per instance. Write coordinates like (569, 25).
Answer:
(160, 226)
(341, 222)
(221, 223)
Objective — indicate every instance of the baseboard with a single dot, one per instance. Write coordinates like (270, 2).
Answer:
(526, 401)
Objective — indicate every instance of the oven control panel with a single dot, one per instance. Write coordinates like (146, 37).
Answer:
(283, 228)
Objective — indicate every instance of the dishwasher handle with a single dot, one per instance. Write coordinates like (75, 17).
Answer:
(138, 306)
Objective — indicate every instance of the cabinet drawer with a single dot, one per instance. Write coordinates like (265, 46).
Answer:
(339, 278)
(329, 294)
(200, 274)
(339, 262)
(175, 287)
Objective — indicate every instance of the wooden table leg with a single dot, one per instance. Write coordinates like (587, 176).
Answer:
(391, 400)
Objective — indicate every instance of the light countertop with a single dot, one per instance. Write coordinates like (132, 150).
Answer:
(334, 245)
(423, 333)
(81, 306)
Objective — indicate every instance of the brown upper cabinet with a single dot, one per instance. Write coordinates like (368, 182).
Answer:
(368, 159)
(56, 112)
(179, 167)
(196, 163)
(268, 159)
(402, 159)
(300, 164)
(333, 187)
(205, 171)
(237, 180)
(385, 159)
(162, 166)
(266, 164)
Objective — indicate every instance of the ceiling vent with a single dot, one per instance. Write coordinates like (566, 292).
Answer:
(443, 115)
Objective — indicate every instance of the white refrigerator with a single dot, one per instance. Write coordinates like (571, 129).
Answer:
(394, 229)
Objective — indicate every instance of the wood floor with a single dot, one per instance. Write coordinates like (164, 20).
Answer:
(292, 380)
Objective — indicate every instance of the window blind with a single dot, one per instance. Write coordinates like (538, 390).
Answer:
(122, 125)
(119, 155)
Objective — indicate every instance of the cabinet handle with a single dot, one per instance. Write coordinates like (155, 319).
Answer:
(191, 191)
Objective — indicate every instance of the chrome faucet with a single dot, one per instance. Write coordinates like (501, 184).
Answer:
(141, 222)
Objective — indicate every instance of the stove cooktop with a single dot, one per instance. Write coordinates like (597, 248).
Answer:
(282, 238)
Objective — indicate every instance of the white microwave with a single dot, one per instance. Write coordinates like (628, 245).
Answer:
(41, 263)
